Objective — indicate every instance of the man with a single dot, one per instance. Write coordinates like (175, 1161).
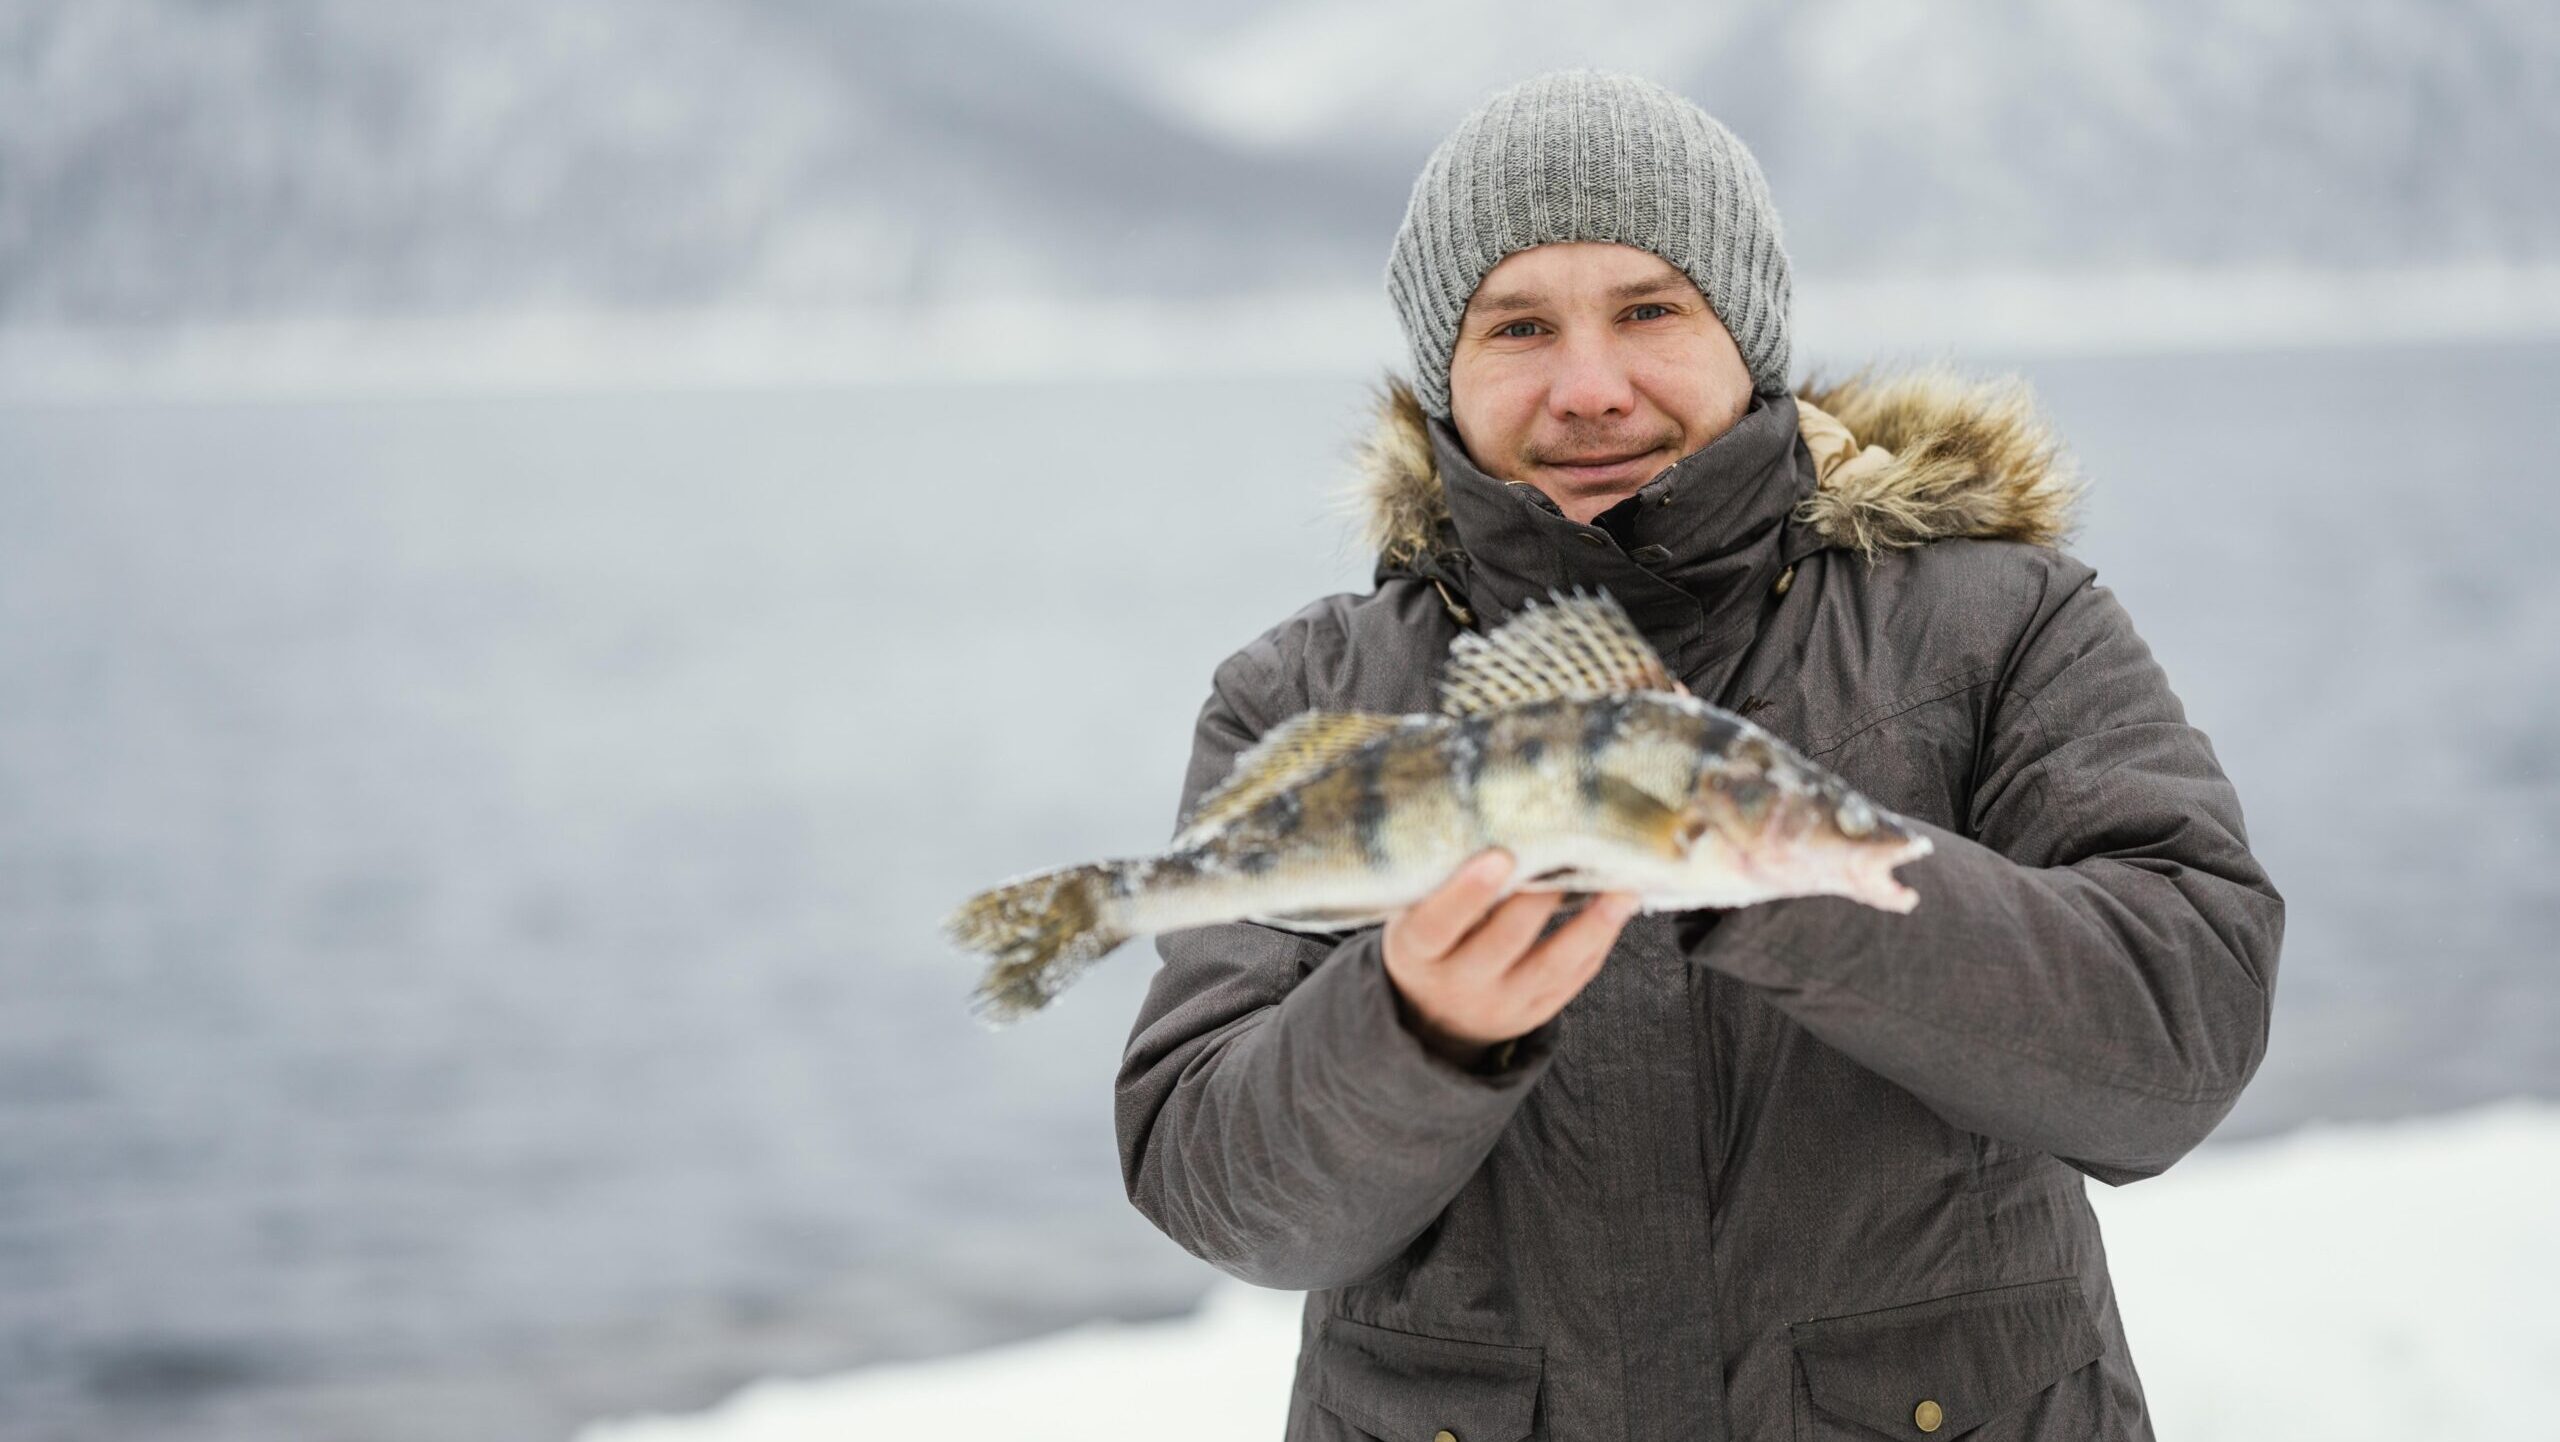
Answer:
(1802, 1169)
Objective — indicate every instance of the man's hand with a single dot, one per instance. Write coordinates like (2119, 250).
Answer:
(1469, 974)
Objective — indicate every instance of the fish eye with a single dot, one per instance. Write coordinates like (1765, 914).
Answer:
(1856, 817)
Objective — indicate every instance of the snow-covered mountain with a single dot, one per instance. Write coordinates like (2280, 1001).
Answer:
(2185, 132)
(170, 160)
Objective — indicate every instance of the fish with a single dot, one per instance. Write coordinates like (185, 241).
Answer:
(1560, 737)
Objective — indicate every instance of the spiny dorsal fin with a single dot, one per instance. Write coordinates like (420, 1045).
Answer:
(1287, 754)
(1580, 648)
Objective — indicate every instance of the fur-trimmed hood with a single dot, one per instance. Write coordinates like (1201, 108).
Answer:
(1899, 460)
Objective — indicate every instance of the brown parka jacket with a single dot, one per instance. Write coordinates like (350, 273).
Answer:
(1797, 1170)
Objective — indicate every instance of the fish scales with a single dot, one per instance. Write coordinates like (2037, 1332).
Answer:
(1562, 739)
(1533, 779)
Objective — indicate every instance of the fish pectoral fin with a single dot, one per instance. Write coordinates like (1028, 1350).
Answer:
(1580, 648)
(1289, 753)
(1631, 813)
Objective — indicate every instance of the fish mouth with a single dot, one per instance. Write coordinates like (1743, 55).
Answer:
(1878, 886)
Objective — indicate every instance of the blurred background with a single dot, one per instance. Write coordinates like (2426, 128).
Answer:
(526, 531)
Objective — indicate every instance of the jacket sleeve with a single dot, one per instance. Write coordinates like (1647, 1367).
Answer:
(2090, 968)
(1275, 1116)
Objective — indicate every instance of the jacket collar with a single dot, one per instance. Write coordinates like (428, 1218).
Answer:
(1688, 554)
(1868, 465)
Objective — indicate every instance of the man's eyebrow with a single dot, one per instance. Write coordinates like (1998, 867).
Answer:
(1508, 301)
(1652, 285)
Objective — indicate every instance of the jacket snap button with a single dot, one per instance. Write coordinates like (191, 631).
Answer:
(1928, 1416)
(1786, 578)
(1650, 555)
(1444, 1435)
(1594, 537)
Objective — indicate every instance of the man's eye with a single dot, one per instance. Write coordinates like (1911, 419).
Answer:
(1639, 312)
(1519, 329)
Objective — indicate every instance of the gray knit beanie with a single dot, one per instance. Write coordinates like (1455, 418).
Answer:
(1589, 155)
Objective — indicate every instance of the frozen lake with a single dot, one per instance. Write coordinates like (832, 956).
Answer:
(469, 868)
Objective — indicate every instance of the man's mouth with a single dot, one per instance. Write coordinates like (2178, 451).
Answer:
(1598, 467)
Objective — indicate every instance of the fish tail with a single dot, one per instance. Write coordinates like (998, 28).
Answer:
(1039, 933)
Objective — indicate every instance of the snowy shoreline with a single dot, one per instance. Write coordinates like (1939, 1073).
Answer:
(2345, 1281)
(1313, 332)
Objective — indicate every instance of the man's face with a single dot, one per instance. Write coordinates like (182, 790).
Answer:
(1585, 368)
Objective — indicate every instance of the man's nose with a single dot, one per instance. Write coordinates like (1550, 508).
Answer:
(1591, 378)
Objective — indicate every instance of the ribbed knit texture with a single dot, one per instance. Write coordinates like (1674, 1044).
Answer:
(1590, 155)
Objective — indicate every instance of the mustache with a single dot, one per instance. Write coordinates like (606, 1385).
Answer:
(1576, 443)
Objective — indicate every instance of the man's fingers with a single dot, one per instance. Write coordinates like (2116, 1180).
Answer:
(1501, 937)
(1575, 951)
(1436, 923)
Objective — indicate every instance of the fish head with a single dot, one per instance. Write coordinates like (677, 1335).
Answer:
(1788, 827)
(1852, 846)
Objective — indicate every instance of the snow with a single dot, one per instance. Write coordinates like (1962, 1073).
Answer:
(2375, 1280)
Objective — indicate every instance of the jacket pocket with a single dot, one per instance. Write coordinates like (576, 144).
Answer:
(1406, 1387)
(1947, 1366)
